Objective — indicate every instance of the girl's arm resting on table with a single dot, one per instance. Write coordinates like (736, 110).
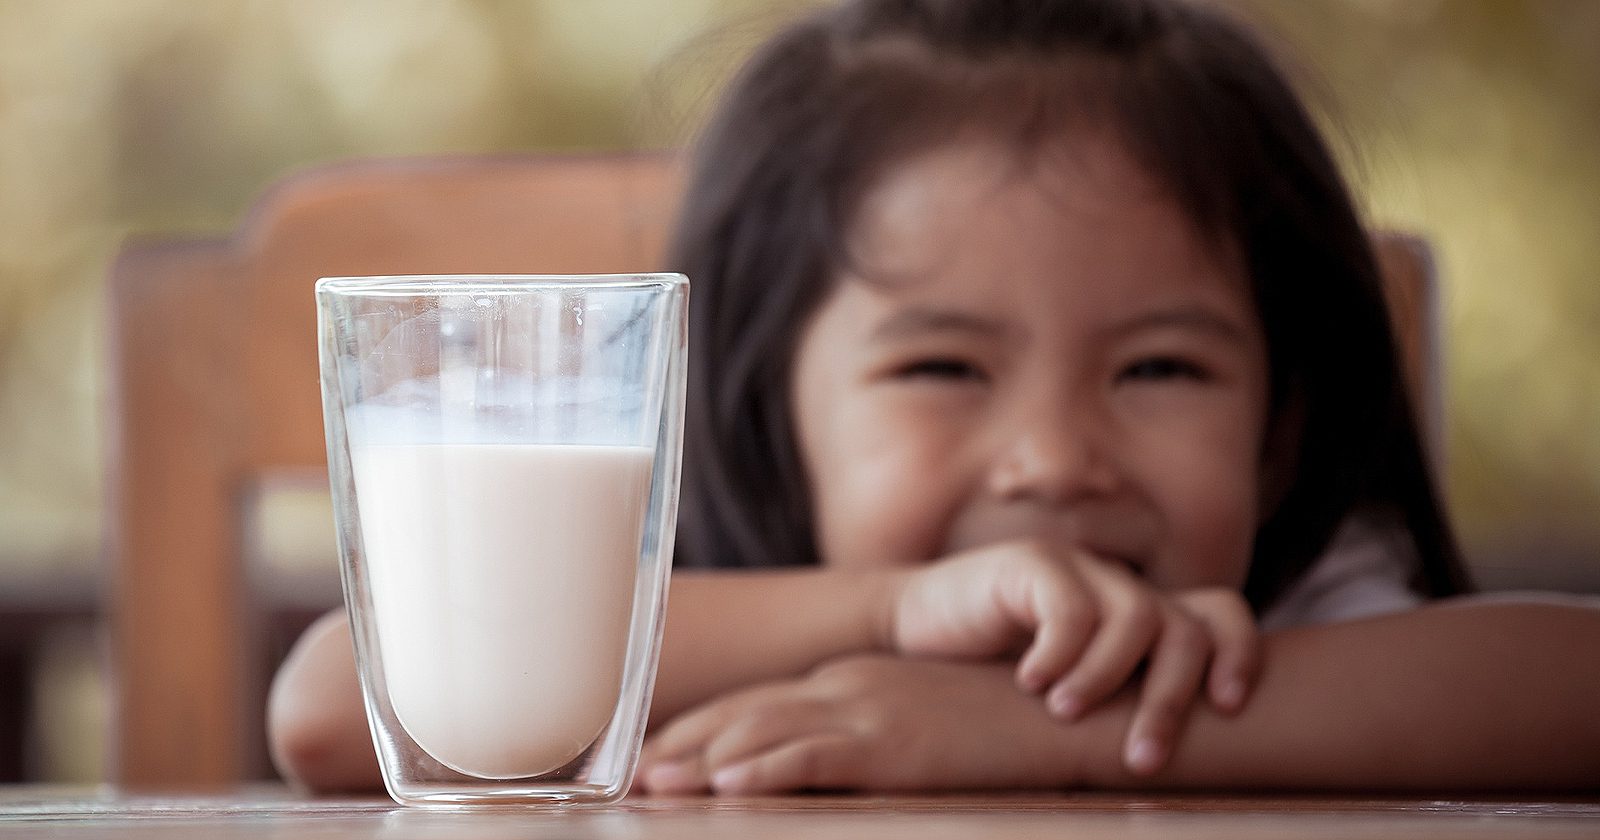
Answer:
(1085, 625)
(1492, 696)
(724, 631)
(1459, 696)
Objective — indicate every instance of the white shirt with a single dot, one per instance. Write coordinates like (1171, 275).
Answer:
(1365, 572)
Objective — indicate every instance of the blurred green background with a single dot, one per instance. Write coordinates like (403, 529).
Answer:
(1473, 122)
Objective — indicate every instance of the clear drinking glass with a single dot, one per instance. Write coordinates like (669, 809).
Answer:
(504, 455)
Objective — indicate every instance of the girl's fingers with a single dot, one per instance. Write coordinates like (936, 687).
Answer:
(1236, 641)
(687, 754)
(686, 735)
(682, 776)
(760, 728)
(816, 761)
(1176, 668)
(673, 759)
(1130, 622)
(1066, 617)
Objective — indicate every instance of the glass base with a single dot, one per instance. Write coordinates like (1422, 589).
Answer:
(478, 797)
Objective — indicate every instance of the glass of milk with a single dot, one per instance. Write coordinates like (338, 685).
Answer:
(504, 456)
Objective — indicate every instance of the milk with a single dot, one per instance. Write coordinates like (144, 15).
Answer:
(502, 580)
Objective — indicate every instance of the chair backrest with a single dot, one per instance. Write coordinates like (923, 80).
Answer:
(1411, 284)
(214, 383)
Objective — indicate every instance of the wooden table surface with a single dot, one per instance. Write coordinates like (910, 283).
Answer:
(32, 811)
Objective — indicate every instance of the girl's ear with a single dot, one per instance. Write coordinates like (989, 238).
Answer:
(1280, 453)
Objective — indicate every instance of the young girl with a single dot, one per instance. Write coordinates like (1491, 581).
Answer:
(1040, 344)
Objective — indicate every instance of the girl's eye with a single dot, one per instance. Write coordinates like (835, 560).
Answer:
(941, 369)
(1163, 368)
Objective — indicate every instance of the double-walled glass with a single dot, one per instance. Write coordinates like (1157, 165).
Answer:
(504, 456)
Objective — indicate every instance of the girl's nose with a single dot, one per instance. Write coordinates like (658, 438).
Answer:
(1052, 459)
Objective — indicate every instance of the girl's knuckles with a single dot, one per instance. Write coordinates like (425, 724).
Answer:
(1081, 622)
(761, 721)
(1186, 636)
(847, 677)
(1139, 610)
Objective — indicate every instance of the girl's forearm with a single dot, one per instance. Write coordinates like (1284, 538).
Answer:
(1451, 696)
(727, 630)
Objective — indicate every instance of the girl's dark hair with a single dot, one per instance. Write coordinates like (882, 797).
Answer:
(831, 102)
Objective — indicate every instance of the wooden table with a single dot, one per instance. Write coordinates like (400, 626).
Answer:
(275, 813)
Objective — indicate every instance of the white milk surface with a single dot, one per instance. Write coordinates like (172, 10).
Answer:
(502, 581)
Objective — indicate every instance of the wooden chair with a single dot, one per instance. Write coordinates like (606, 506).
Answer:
(214, 388)
(1412, 286)
(214, 383)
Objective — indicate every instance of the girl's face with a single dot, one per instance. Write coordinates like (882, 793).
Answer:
(1048, 352)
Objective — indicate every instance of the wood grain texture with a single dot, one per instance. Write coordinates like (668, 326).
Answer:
(268, 812)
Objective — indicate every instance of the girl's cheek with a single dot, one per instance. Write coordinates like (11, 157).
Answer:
(1219, 547)
(1208, 497)
(889, 504)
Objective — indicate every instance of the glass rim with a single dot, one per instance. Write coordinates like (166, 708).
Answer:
(426, 284)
